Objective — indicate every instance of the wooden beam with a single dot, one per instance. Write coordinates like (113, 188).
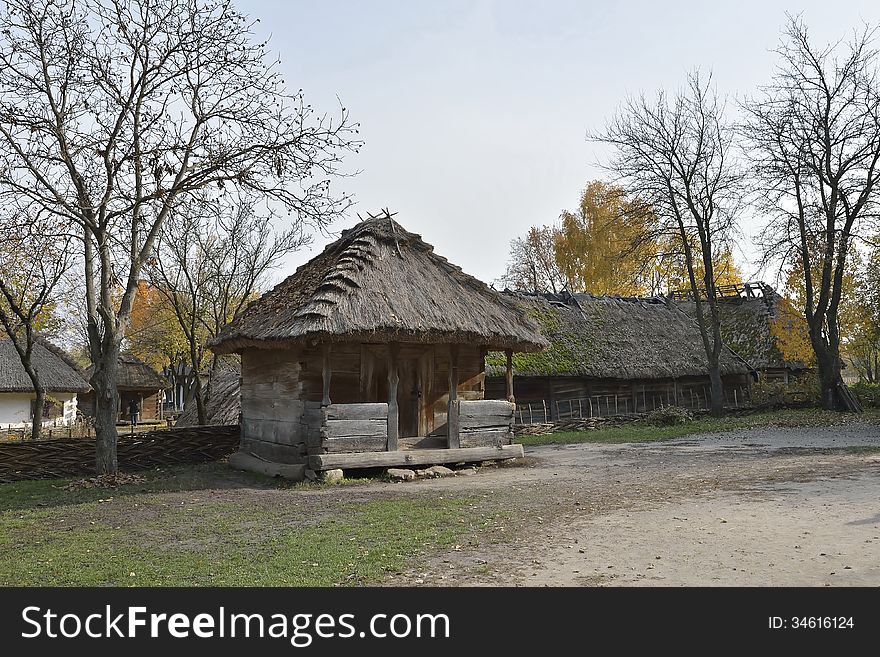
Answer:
(510, 397)
(452, 409)
(413, 457)
(393, 411)
(356, 412)
(325, 374)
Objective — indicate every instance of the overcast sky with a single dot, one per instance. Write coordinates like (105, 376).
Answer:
(475, 112)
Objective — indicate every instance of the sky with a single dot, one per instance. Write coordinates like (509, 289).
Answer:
(475, 113)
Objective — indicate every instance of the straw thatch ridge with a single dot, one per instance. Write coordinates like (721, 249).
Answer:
(613, 338)
(380, 283)
(224, 402)
(57, 371)
(747, 327)
(135, 374)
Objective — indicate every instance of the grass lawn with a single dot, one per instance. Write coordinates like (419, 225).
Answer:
(206, 525)
(640, 432)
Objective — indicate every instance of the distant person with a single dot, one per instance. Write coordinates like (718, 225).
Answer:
(134, 411)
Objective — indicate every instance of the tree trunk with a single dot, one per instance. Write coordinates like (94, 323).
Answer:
(200, 398)
(106, 404)
(829, 377)
(37, 421)
(828, 364)
(717, 390)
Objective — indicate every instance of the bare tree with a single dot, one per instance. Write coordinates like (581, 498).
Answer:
(112, 111)
(532, 265)
(814, 136)
(211, 259)
(674, 154)
(33, 260)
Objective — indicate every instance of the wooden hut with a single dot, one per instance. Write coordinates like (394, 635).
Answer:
(60, 376)
(223, 406)
(138, 381)
(611, 356)
(762, 327)
(372, 355)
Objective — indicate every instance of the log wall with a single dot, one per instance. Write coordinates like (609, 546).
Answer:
(485, 423)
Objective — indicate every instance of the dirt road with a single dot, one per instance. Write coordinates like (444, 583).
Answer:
(757, 507)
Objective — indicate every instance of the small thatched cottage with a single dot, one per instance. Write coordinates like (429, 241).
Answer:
(224, 401)
(137, 381)
(58, 373)
(762, 327)
(611, 356)
(372, 355)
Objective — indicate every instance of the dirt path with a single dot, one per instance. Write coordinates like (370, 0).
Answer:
(759, 507)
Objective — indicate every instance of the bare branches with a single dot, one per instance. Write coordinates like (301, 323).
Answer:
(813, 135)
(113, 113)
(675, 154)
(212, 256)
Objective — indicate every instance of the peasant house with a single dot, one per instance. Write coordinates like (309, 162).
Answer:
(59, 375)
(135, 381)
(763, 327)
(372, 355)
(612, 356)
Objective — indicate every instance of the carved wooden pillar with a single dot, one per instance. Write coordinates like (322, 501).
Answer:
(509, 354)
(393, 380)
(325, 373)
(452, 410)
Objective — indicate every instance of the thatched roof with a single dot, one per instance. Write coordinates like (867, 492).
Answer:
(380, 283)
(135, 375)
(56, 369)
(224, 402)
(614, 338)
(752, 327)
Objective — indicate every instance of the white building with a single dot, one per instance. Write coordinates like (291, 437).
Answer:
(60, 376)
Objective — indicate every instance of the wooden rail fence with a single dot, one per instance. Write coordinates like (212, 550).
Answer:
(47, 459)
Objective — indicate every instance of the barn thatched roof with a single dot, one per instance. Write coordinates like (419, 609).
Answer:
(380, 283)
(224, 402)
(56, 369)
(135, 375)
(752, 327)
(614, 338)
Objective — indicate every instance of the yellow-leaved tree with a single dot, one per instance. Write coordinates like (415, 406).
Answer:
(155, 335)
(605, 246)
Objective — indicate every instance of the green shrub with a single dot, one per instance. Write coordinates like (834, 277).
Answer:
(803, 389)
(667, 416)
(867, 393)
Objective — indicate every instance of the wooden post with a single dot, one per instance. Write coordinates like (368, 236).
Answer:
(452, 410)
(393, 380)
(325, 373)
(510, 397)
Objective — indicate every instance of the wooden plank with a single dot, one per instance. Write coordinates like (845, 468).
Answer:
(486, 438)
(485, 421)
(356, 412)
(393, 412)
(486, 407)
(245, 461)
(354, 444)
(273, 451)
(452, 407)
(343, 428)
(413, 457)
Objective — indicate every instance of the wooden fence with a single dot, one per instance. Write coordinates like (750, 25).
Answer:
(693, 399)
(47, 459)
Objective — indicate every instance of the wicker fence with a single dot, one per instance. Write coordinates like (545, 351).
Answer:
(47, 459)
